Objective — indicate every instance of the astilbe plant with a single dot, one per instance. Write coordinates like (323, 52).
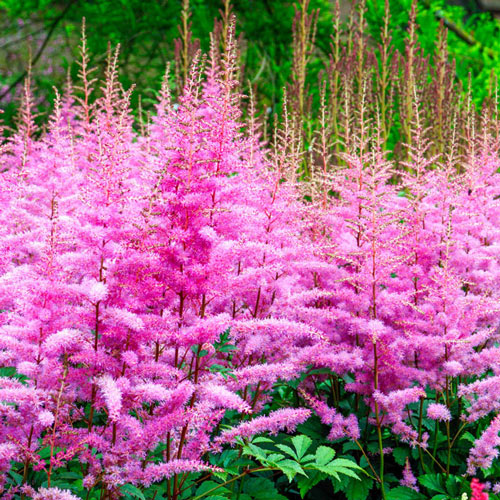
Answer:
(156, 287)
(409, 287)
(143, 285)
(405, 288)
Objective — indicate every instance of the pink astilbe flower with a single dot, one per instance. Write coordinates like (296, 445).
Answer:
(157, 472)
(156, 285)
(53, 494)
(46, 418)
(485, 449)
(340, 426)
(409, 480)
(286, 418)
(125, 259)
(440, 412)
(112, 396)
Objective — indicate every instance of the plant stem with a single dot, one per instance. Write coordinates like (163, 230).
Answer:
(379, 426)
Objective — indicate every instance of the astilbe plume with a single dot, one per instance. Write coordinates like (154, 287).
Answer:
(409, 479)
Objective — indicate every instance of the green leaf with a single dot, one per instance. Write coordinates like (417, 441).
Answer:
(18, 479)
(334, 471)
(7, 371)
(206, 486)
(349, 446)
(254, 451)
(261, 488)
(132, 491)
(344, 462)
(400, 455)
(467, 436)
(262, 439)
(358, 490)
(432, 482)
(220, 475)
(286, 449)
(228, 348)
(290, 468)
(453, 486)
(313, 428)
(301, 444)
(404, 493)
(275, 457)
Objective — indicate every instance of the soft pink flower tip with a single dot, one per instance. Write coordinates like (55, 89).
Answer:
(436, 411)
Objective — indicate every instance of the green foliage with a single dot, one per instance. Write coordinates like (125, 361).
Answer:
(472, 39)
(146, 30)
(299, 459)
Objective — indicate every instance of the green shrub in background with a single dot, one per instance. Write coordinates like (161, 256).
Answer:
(473, 37)
(146, 31)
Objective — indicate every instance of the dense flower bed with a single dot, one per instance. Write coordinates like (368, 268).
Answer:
(157, 286)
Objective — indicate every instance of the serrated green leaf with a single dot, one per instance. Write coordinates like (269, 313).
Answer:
(324, 455)
(220, 475)
(307, 459)
(132, 491)
(432, 482)
(290, 468)
(228, 348)
(453, 485)
(307, 483)
(18, 479)
(344, 462)
(404, 493)
(301, 444)
(44, 452)
(262, 439)
(467, 436)
(260, 488)
(206, 486)
(286, 449)
(349, 446)
(358, 490)
(275, 457)
(254, 451)
(400, 455)
(334, 471)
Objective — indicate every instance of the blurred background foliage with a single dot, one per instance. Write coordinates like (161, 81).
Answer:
(48, 32)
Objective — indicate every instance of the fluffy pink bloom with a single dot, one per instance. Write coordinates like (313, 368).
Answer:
(340, 426)
(156, 472)
(152, 281)
(46, 418)
(286, 418)
(485, 449)
(219, 396)
(437, 411)
(53, 494)
(112, 396)
(409, 480)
